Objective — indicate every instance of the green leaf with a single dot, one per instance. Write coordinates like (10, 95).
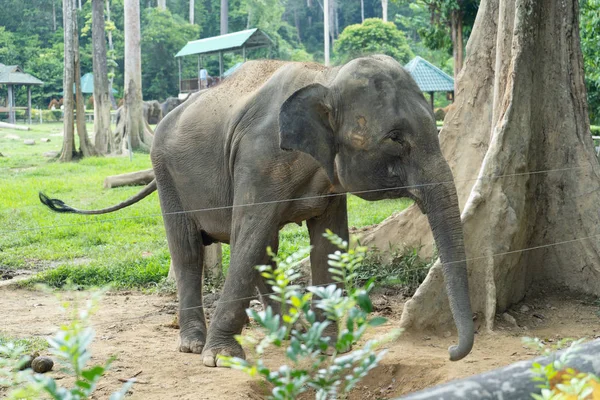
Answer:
(377, 321)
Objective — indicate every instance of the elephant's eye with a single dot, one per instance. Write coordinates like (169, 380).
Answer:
(400, 145)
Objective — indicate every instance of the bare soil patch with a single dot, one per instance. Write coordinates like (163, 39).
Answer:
(138, 329)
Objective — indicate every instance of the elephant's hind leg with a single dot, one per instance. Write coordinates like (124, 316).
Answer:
(186, 248)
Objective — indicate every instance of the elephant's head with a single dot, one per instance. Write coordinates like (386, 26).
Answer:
(374, 134)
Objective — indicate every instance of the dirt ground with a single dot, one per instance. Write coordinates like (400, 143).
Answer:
(137, 328)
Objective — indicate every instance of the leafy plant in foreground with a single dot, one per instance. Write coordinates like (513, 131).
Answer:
(306, 338)
(557, 380)
(70, 346)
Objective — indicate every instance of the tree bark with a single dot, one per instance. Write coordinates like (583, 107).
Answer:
(362, 11)
(384, 10)
(456, 18)
(132, 118)
(224, 17)
(111, 75)
(192, 5)
(520, 118)
(54, 15)
(103, 139)
(162, 4)
(68, 149)
(86, 147)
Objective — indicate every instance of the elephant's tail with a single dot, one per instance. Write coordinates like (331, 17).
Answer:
(59, 206)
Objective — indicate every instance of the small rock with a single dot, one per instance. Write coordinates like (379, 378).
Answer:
(426, 338)
(510, 319)
(447, 334)
(539, 316)
(50, 154)
(44, 140)
(524, 308)
(29, 142)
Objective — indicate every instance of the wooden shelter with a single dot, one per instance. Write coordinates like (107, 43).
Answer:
(243, 41)
(430, 78)
(11, 76)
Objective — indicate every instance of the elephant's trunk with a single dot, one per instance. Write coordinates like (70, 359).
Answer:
(441, 205)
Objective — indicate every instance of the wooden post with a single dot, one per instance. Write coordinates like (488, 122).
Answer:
(220, 65)
(244, 52)
(431, 94)
(41, 119)
(11, 115)
(198, 72)
(29, 104)
(179, 64)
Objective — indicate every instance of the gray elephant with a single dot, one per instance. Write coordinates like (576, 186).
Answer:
(283, 142)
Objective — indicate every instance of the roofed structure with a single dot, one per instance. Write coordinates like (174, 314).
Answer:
(248, 39)
(242, 40)
(13, 75)
(430, 78)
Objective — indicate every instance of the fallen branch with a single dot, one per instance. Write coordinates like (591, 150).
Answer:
(129, 179)
(13, 126)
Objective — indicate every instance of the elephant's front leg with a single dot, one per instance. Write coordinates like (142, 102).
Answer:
(252, 231)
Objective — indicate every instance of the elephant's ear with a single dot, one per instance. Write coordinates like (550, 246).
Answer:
(305, 125)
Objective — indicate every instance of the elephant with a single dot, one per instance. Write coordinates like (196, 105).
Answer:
(284, 142)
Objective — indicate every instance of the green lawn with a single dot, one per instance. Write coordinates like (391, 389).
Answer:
(127, 248)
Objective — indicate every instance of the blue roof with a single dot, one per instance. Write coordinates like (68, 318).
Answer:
(429, 77)
(250, 38)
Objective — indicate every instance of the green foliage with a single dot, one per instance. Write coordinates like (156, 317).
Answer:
(372, 36)
(306, 347)
(556, 380)
(589, 12)
(405, 269)
(70, 346)
(163, 35)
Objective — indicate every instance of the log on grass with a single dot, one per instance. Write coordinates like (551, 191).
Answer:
(129, 179)
(13, 126)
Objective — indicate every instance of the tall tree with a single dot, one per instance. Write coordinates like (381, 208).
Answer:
(362, 11)
(103, 139)
(192, 6)
(162, 4)
(132, 126)
(530, 217)
(86, 148)
(224, 17)
(384, 10)
(68, 149)
(111, 49)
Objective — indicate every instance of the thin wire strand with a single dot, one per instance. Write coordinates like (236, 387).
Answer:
(147, 315)
(270, 202)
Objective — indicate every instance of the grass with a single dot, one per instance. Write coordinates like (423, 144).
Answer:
(126, 249)
(31, 344)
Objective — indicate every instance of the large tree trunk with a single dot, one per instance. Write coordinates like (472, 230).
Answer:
(103, 139)
(520, 118)
(86, 147)
(224, 17)
(162, 4)
(68, 149)
(192, 5)
(132, 121)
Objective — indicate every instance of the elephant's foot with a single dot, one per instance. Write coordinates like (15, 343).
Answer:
(212, 354)
(192, 342)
